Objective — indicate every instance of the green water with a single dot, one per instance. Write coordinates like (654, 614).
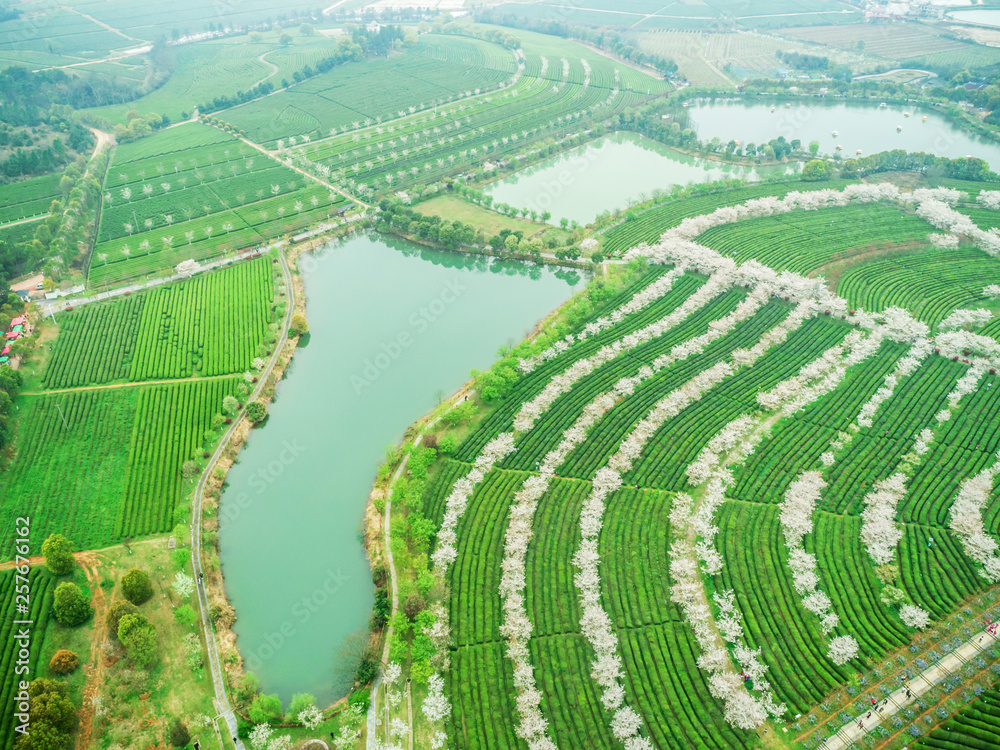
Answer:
(869, 128)
(393, 327)
(609, 174)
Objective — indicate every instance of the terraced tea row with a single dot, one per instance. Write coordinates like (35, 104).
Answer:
(213, 324)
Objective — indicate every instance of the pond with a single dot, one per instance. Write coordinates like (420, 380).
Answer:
(867, 127)
(394, 328)
(607, 174)
(982, 17)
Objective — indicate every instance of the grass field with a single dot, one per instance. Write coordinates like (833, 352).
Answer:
(455, 208)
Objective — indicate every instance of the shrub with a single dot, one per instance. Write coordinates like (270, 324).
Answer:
(185, 615)
(136, 586)
(71, 606)
(138, 636)
(64, 661)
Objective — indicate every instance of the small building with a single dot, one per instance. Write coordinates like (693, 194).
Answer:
(12, 336)
(374, 27)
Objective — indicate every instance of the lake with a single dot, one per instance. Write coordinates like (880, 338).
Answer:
(394, 328)
(607, 174)
(859, 126)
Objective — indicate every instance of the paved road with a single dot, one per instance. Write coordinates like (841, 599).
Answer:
(851, 733)
(221, 697)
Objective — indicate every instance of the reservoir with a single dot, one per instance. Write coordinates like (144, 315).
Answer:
(608, 174)
(394, 328)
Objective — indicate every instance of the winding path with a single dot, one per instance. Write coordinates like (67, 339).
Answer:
(274, 69)
(218, 680)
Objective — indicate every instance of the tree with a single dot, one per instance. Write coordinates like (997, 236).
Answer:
(230, 404)
(136, 586)
(179, 734)
(64, 661)
(814, 147)
(70, 605)
(307, 29)
(185, 615)
(58, 551)
(816, 170)
(300, 702)
(53, 717)
(138, 636)
(285, 39)
(299, 325)
(183, 585)
(256, 411)
(117, 611)
(414, 605)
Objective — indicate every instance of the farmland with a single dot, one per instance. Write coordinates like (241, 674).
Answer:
(722, 60)
(550, 99)
(23, 200)
(112, 469)
(209, 325)
(223, 67)
(697, 407)
(194, 192)
(42, 584)
(437, 70)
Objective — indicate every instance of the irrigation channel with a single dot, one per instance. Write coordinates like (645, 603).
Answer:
(608, 174)
(869, 128)
(394, 328)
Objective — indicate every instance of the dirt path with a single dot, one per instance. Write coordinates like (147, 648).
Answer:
(23, 221)
(101, 23)
(124, 385)
(113, 58)
(80, 557)
(95, 672)
(314, 178)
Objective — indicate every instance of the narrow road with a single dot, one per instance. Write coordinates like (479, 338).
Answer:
(851, 733)
(112, 29)
(274, 68)
(372, 714)
(218, 679)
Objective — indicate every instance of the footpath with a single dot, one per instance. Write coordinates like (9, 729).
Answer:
(855, 730)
